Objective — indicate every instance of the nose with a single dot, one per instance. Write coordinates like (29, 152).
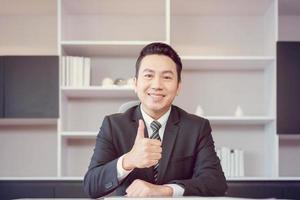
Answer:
(156, 83)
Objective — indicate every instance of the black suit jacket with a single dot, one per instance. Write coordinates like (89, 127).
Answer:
(188, 155)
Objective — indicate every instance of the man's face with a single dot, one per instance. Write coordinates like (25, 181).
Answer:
(157, 84)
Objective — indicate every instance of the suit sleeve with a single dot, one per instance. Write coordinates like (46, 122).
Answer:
(101, 177)
(208, 178)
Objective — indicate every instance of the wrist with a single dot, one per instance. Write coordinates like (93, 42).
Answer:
(126, 163)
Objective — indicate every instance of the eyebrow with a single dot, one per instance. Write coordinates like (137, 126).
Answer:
(152, 71)
(148, 70)
(168, 72)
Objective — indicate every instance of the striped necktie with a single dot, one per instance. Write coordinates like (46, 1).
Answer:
(155, 126)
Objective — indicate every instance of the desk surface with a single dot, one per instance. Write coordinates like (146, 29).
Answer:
(157, 198)
(177, 198)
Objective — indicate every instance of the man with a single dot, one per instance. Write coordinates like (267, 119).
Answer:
(155, 148)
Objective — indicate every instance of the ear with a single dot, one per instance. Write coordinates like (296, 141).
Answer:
(178, 88)
(135, 84)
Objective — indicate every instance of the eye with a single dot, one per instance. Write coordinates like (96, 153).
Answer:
(148, 75)
(167, 77)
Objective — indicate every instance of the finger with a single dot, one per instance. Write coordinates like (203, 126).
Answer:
(150, 148)
(155, 149)
(154, 142)
(140, 131)
(129, 189)
(152, 159)
(134, 193)
(155, 156)
(151, 163)
(140, 188)
(132, 189)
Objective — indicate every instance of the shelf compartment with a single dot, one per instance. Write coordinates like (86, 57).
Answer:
(113, 20)
(102, 67)
(217, 28)
(87, 114)
(254, 140)
(76, 151)
(289, 150)
(29, 146)
(218, 93)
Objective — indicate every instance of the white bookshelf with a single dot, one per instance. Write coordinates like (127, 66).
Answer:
(229, 59)
(228, 66)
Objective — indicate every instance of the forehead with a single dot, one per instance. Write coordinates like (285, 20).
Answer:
(158, 63)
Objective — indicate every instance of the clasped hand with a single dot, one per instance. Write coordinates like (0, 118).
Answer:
(140, 188)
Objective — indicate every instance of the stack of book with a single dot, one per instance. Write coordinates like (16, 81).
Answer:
(232, 161)
(75, 71)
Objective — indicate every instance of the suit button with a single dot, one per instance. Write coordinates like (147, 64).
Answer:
(108, 185)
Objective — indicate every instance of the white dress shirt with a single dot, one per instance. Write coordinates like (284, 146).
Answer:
(122, 173)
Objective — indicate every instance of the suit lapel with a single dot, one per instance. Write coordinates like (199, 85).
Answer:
(168, 143)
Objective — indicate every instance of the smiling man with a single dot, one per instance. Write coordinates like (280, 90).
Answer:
(155, 149)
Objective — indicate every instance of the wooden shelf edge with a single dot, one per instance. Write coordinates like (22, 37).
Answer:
(78, 134)
(29, 121)
(97, 91)
(247, 120)
(106, 42)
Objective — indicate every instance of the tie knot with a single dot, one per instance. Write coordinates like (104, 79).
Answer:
(155, 125)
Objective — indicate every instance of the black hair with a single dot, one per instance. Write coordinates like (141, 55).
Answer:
(159, 49)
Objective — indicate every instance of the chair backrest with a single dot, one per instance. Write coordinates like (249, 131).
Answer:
(127, 105)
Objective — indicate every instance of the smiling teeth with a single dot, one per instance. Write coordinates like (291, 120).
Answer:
(157, 95)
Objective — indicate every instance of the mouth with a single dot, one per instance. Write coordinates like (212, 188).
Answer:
(156, 95)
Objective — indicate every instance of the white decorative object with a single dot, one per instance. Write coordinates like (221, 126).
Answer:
(120, 82)
(199, 111)
(238, 111)
(130, 82)
(107, 82)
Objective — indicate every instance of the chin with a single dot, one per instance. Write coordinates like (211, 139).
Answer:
(158, 109)
(154, 107)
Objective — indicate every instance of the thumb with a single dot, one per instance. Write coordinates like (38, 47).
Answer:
(140, 131)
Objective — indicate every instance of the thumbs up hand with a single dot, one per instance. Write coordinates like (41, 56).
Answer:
(140, 131)
(144, 153)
